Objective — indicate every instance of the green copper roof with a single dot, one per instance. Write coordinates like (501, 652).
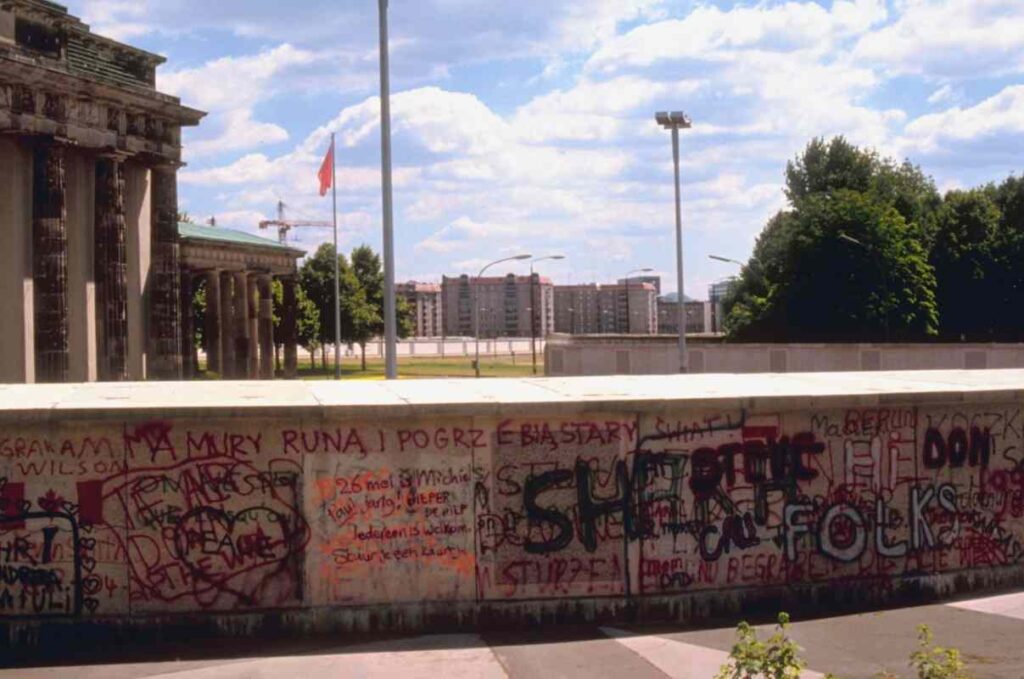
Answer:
(219, 234)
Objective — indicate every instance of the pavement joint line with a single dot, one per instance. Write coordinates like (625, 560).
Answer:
(678, 659)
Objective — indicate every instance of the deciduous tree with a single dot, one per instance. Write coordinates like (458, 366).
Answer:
(843, 263)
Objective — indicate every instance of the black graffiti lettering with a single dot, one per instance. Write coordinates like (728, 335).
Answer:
(591, 508)
(533, 488)
(981, 447)
(736, 531)
(934, 453)
(957, 449)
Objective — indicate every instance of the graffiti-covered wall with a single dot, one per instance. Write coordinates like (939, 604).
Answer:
(131, 516)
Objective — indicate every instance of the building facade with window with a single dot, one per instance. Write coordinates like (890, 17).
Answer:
(504, 305)
(606, 309)
(425, 301)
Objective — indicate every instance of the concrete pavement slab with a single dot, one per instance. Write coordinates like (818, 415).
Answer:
(556, 654)
(1009, 605)
(456, 656)
(862, 646)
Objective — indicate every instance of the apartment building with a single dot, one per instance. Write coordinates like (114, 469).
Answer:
(604, 309)
(698, 315)
(425, 300)
(504, 305)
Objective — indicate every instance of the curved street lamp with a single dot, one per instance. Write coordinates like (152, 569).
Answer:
(476, 303)
(629, 319)
(727, 260)
(533, 308)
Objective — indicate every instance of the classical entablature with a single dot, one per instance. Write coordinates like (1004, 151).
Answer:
(59, 80)
(204, 248)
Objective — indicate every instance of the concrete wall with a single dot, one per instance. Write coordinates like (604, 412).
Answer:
(237, 506)
(621, 355)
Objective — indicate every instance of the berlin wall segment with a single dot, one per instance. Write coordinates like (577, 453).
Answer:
(120, 520)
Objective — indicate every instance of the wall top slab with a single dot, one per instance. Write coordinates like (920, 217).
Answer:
(501, 397)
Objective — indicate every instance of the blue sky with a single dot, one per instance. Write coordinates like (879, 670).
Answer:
(528, 125)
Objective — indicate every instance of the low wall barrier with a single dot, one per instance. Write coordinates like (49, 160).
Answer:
(247, 508)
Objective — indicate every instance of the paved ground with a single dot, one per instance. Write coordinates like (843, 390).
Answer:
(988, 631)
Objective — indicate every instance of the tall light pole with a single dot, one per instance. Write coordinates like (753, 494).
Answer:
(629, 324)
(476, 306)
(390, 323)
(533, 308)
(885, 277)
(676, 121)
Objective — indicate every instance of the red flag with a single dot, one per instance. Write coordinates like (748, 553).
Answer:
(326, 173)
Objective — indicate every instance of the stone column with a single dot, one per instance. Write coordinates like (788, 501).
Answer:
(227, 326)
(111, 268)
(266, 328)
(165, 359)
(241, 326)
(212, 327)
(253, 367)
(289, 331)
(189, 366)
(50, 262)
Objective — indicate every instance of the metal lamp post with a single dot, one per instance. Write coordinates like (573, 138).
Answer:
(476, 306)
(675, 121)
(629, 319)
(533, 308)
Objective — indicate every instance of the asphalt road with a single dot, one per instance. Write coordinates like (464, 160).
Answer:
(989, 633)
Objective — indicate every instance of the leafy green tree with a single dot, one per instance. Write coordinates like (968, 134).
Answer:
(844, 263)
(316, 278)
(964, 255)
(842, 268)
(1009, 253)
(367, 302)
(825, 167)
(307, 321)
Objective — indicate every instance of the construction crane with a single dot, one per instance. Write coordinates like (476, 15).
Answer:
(284, 226)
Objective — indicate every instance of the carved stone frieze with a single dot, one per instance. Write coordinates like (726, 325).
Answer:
(23, 100)
(55, 107)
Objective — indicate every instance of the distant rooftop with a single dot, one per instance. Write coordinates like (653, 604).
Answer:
(218, 234)
(673, 298)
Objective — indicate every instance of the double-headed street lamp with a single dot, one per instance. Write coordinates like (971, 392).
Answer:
(629, 324)
(476, 305)
(675, 121)
(533, 308)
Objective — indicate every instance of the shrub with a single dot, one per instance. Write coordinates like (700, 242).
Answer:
(751, 658)
(936, 662)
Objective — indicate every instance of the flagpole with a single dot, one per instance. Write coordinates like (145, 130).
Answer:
(337, 275)
(390, 324)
